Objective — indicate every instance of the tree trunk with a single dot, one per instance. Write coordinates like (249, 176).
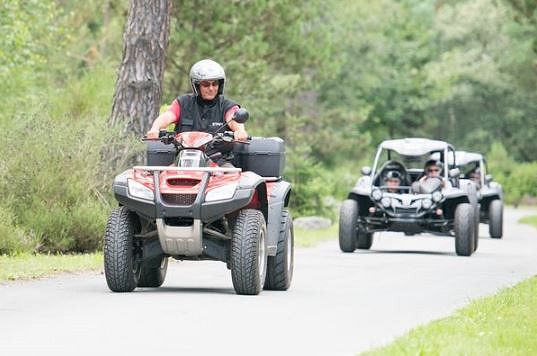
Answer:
(139, 83)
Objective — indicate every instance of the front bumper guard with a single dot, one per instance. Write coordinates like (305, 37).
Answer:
(405, 224)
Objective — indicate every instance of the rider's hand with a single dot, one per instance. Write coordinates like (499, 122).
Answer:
(153, 133)
(240, 135)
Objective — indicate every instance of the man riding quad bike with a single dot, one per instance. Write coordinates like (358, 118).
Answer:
(473, 167)
(428, 198)
(191, 203)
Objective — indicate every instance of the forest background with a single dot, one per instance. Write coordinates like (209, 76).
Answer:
(333, 78)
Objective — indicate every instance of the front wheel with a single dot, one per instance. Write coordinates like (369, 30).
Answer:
(280, 266)
(464, 229)
(496, 219)
(248, 252)
(121, 269)
(348, 216)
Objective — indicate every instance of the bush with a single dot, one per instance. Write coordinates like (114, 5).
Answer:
(522, 182)
(57, 182)
(13, 239)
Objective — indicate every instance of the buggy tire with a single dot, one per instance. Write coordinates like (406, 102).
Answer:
(364, 240)
(280, 266)
(153, 272)
(249, 252)
(120, 267)
(464, 229)
(472, 197)
(348, 215)
(496, 219)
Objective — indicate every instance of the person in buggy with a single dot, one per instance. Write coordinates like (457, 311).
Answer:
(392, 181)
(205, 110)
(432, 173)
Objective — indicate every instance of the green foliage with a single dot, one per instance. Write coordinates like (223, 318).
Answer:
(59, 190)
(522, 182)
(12, 238)
(29, 33)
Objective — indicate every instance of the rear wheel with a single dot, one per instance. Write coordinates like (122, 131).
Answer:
(364, 240)
(248, 252)
(348, 215)
(121, 268)
(496, 219)
(153, 272)
(464, 229)
(280, 266)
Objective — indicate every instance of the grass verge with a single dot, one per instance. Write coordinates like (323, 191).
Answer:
(309, 238)
(27, 266)
(503, 324)
(530, 220)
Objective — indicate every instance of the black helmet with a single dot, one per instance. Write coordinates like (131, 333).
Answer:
(392, 175)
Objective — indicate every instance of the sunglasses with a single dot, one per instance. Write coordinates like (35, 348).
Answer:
(433, 170)
(213, 83)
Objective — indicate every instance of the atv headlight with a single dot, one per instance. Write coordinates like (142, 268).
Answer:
(376, 194)
(221, 193)
(437, 196)
(139, 190)
(386, 202)
(426, 203)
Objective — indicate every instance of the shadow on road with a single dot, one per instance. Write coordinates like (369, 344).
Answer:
(416, 252)
(179, 290)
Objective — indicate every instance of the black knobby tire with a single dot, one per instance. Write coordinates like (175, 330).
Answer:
(472, 197)
(153, 272)
(348, 216)
(496, 219)
(464, 229)
(364, 240)
(120, 267)
(280, 266)
(248, 252)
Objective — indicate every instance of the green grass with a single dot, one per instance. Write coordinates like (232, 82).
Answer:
(503, 324)
(27, 266)
(530, 220)
(309, 238)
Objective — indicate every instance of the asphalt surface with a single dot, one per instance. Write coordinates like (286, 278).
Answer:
(338, 304)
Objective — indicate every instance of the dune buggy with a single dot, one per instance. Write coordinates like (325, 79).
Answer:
(473, 167)
(183, 205)
(439, 206)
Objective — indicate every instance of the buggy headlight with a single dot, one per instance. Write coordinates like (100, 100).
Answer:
(221, 193)
(437, 196)
(139, 190)
(426, 203)
(386, 202)
(376, 194)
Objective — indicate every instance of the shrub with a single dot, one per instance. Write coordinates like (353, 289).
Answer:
(57, 181)
(13, 239)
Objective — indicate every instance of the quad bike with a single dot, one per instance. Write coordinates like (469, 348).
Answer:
(183, 205)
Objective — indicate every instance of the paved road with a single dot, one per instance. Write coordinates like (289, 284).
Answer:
(339, 304)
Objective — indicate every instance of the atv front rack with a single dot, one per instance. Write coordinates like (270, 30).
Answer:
(188, 169)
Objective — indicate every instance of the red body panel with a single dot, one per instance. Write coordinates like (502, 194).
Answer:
(194, 139)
